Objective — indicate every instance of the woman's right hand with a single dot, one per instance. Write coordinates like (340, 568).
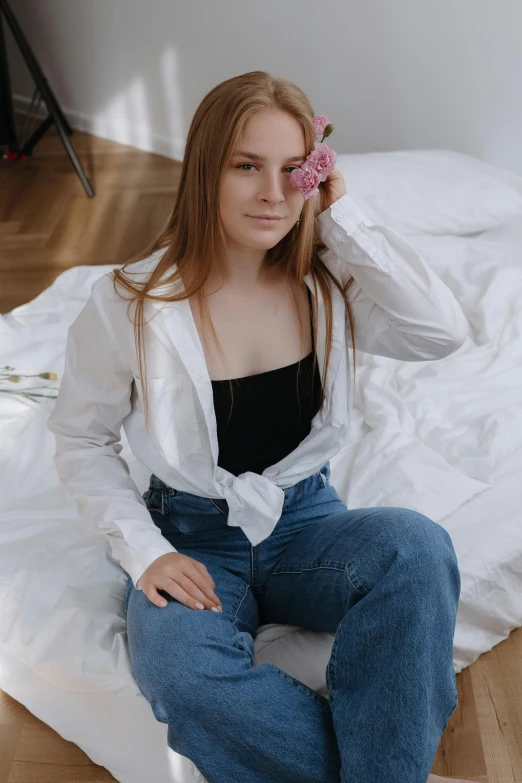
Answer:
(185, 579)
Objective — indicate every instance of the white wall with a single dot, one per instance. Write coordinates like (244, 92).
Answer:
(389, 75)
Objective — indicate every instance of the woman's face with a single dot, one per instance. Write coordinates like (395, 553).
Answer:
(261, 185)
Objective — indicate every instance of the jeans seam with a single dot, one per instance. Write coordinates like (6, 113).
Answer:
(241, 601)
(354, 581)
(321, 700)
(332, 566)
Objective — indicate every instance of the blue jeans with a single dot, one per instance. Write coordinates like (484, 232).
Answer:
(385, 581)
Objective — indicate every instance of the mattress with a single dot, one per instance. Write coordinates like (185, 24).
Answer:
(452, 435)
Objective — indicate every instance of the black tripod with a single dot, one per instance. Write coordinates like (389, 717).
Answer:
(56, 116)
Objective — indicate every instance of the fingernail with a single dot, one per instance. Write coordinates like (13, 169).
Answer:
(199, 606)
(214, 609)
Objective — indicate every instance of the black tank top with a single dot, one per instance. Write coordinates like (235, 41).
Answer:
(268, 418)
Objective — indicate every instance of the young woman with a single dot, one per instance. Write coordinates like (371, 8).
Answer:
(223, 350)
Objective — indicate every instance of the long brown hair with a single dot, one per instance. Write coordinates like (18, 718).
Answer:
(193, 235)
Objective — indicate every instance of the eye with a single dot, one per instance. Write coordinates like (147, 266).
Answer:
(251, 164)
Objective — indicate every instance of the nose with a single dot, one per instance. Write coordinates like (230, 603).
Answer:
(272, 188)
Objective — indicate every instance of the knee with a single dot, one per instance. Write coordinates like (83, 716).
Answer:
(163, 643)
(426, 544)
(176, 666)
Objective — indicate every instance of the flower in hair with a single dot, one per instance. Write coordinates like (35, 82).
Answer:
(319, 163)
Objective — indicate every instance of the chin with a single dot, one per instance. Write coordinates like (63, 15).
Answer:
(262, 245)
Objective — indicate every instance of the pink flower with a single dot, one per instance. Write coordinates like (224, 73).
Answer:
(322, 159)
(320, 123)
(316, 168)
(318, 165)
(306, 179)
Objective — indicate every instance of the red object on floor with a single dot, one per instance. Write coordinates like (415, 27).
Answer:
(13, 156)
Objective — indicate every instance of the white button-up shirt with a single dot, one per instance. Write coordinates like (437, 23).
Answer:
(401, 309)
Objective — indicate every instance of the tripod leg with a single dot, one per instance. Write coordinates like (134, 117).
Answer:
(35, 137)
(72, 154)
(33, 65)
(6, 104)
(59, 119)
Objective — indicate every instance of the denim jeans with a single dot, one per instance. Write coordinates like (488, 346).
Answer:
(384, 581)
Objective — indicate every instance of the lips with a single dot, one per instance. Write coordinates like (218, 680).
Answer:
(265, 222)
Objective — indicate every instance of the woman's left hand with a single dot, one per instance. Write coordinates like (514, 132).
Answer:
(329, 191)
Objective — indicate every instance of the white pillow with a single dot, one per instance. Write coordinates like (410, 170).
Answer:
(507, 232)
(432, 191)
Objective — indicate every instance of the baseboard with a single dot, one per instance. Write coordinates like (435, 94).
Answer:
(118, 130)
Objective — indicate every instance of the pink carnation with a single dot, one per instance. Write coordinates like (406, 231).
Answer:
(306, 179)
(320, 123)
(322, 159)
(316, 168)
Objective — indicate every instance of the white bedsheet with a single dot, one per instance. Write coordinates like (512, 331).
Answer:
(442, 437)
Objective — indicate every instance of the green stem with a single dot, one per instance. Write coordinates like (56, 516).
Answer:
(21, 393)
(34, 375)
(28, 388)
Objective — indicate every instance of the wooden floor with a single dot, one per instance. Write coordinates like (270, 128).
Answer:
(48, 224)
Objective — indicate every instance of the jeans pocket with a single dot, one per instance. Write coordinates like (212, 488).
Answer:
(191, 514)
(219, 504)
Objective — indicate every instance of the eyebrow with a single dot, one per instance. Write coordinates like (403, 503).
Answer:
(253, 156)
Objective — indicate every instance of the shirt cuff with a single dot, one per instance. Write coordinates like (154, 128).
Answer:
(135, 567)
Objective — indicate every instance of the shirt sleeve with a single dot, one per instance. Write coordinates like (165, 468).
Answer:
(401, 309)
(93, 400)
